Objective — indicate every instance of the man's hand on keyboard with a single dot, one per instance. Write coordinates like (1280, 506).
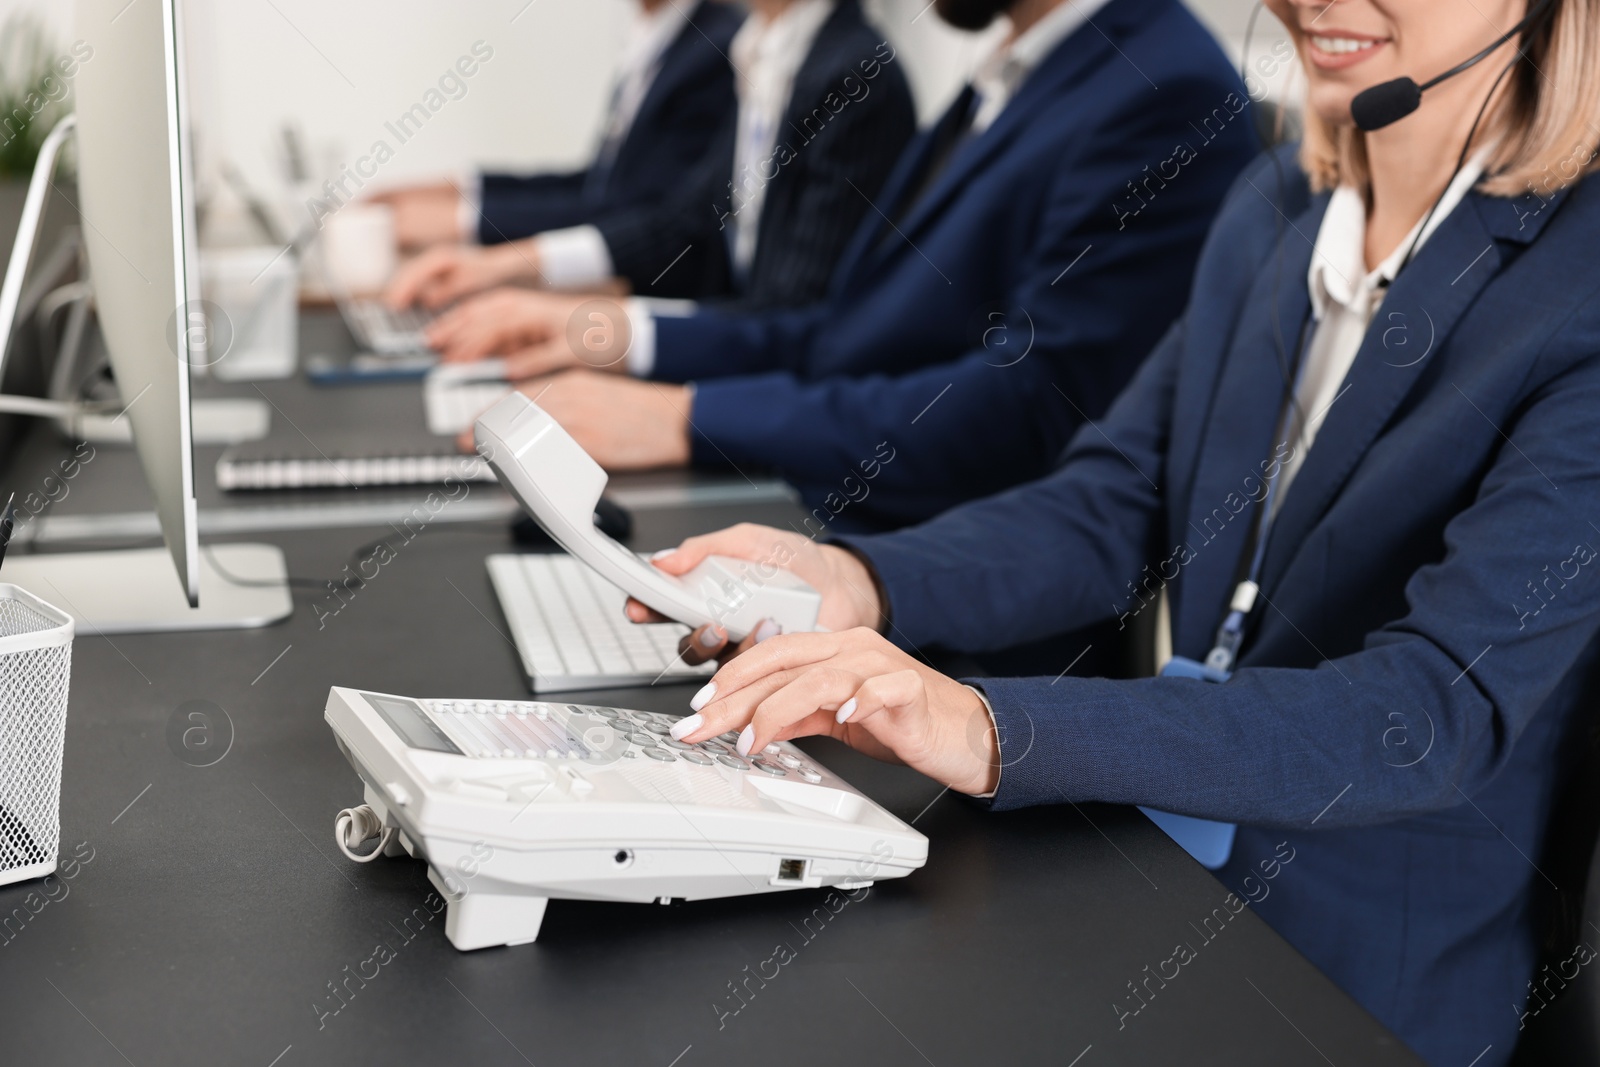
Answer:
(536, 333)
(441, 276)
(850, 595)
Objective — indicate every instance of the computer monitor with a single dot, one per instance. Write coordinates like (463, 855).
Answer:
(135, 192)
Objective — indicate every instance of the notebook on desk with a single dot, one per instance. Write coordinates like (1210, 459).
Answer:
(341, 461)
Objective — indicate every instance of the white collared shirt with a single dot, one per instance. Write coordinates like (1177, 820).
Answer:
(1344, 298)
(998, 77)
(767, 55)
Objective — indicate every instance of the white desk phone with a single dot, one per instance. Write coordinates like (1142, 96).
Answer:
(514, 802)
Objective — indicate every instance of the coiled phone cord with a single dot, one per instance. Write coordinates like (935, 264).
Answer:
(355, 826)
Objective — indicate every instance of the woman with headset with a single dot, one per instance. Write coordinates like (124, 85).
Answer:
(1363, 474)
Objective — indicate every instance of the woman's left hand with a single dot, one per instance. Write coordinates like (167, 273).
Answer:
(859, 688)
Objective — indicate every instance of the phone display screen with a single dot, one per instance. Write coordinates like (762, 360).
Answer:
(413, 725)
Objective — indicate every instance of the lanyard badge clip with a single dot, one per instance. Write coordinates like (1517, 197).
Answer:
(1230, 635)
(1209, 842)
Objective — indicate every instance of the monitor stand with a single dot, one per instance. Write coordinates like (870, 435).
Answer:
(242, 586)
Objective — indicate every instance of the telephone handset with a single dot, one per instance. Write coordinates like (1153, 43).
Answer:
(558, 484)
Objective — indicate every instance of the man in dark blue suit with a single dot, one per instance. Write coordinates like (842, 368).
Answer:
(773, 236)
(824, 113)
(674, 95)
(1024, 254)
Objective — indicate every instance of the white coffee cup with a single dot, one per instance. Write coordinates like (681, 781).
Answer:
(253, 291)
(358, 248)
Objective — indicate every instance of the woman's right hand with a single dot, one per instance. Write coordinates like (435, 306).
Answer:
(442, 276)
(849, 592)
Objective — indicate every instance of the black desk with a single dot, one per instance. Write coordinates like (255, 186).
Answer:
(216, 914)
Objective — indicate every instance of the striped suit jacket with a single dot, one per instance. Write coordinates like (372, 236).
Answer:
(850, 115)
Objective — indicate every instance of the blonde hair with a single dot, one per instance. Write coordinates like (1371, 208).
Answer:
(1545, 124)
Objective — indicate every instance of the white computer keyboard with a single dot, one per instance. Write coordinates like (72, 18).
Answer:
(385, 330)
(455, 394)
(569, 628)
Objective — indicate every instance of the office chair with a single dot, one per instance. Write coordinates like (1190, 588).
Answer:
(1566, 1031)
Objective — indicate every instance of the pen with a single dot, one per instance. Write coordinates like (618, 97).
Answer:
(7, 521)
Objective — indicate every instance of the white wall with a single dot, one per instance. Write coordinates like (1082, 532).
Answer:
(340, 69)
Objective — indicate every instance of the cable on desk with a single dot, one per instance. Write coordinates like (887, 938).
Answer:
(264, 583)
(352, 583)
(355, 826)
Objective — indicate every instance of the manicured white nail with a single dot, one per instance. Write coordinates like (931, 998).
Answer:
(687, 725)
(709, 638)
(767, 628)
(702, 698)
(747, 739)
(847, 709)
(663, 554)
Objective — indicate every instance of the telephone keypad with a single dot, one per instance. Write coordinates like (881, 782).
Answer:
(496, 729)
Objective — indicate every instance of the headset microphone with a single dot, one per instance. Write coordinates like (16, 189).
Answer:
(1377, 107)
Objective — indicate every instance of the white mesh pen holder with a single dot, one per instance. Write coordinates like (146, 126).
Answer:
(35, 664)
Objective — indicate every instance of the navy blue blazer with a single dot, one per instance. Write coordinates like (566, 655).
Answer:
(682, 114)
(1009, 301)
(1424, 649)
(849, 117)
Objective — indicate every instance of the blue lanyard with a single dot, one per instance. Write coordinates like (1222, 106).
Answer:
(1247, 586)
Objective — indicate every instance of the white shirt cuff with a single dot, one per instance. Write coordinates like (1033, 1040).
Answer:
(470, 209)
(666, 307)
(996, 727)
(573, 258)
(641, 357)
